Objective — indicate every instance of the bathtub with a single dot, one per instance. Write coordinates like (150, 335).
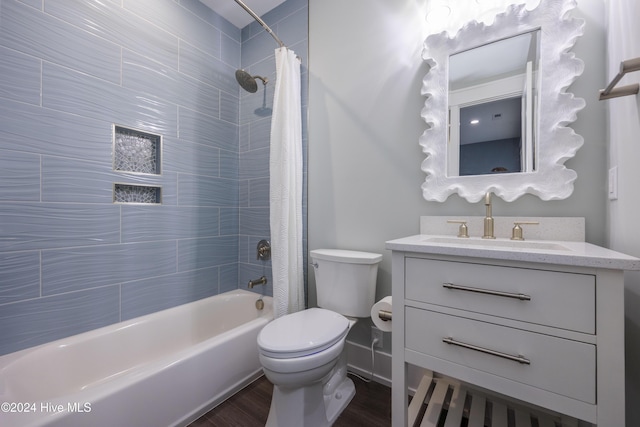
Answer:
(162, 369)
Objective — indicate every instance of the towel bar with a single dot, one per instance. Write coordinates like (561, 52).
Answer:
(611, 91)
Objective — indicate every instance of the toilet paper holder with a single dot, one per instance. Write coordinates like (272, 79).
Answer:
(385, 315)
(381, 315)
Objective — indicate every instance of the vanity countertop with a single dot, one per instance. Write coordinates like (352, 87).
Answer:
(580, 254)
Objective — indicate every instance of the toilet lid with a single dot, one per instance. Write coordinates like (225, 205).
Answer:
(302, 333)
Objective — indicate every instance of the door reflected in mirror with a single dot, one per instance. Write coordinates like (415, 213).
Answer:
(493, 97)
(490, 137)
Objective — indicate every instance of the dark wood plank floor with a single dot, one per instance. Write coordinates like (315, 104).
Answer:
(371, 407)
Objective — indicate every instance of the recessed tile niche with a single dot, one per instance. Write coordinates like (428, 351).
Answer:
(127, 193)
(137, 152)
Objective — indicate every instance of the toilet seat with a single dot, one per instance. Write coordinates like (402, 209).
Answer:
(300, 364)
(302, 333)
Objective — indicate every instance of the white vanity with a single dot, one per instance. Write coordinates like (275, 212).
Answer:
(541, 322)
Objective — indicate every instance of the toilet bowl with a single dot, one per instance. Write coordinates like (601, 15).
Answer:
(303, 354)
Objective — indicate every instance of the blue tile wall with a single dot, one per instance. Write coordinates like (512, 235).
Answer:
(20, 176)
(157, 293)
(19, 276)
(197, 127)
(32, 129)
(34, 321)
(71, 91)
(147, 76)
(37, 226)
(19, 77)
(110, 21)
(70, 259)
(42, 36)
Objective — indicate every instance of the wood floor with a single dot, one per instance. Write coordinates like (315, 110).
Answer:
(371, 407)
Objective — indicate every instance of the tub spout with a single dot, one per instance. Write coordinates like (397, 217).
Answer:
(260, 281)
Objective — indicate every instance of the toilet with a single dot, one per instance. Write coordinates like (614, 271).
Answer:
(303, 353)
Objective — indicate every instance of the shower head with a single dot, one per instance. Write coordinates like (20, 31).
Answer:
(248, 82)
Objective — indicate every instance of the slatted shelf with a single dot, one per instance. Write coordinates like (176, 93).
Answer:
(439, 402)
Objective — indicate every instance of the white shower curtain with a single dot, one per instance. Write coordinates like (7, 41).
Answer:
(285, 173)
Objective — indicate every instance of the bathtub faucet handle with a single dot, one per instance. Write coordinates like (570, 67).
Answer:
(263, 250)
(261, 281)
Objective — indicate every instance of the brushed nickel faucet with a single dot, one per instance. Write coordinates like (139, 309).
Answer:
(261, 281)
(488, 219)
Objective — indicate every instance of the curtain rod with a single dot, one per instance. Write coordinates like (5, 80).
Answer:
(260, 21)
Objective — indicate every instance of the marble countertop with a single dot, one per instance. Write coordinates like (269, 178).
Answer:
(540, 251)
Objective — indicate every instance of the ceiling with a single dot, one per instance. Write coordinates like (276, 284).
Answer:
(503, 58)
(235, 14)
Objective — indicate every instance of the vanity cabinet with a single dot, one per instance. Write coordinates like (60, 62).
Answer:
(548, 334)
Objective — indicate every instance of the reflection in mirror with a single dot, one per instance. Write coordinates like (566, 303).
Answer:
(492, 101)
(490, 137)
(522, 58)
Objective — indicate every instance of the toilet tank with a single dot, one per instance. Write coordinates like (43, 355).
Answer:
(346, 280)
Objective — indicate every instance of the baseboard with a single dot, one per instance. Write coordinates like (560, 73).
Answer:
(359, 362)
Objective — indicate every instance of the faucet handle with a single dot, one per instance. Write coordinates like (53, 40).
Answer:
(516, 233)
(463, 231)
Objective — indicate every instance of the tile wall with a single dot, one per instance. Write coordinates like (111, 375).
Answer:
(71, 260)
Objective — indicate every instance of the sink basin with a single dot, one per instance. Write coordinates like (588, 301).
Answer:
(497, 243)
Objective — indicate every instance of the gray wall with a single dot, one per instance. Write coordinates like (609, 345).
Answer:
(365, 75)
(624, 152)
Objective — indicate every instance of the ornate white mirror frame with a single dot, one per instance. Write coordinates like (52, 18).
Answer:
(555, 142)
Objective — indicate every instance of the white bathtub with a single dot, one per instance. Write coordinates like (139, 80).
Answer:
(162, 369)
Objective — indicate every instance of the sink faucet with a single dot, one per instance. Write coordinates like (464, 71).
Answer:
(488, 219)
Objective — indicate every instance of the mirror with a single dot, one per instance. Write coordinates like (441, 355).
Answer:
(497, 109)
(492, 102)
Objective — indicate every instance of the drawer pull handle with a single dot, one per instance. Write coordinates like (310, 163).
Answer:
(519, 359)
(521, 297)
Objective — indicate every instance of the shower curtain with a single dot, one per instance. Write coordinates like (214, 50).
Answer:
(285, 192)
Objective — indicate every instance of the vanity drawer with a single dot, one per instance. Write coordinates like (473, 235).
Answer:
(551, 298)
(558, 365)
